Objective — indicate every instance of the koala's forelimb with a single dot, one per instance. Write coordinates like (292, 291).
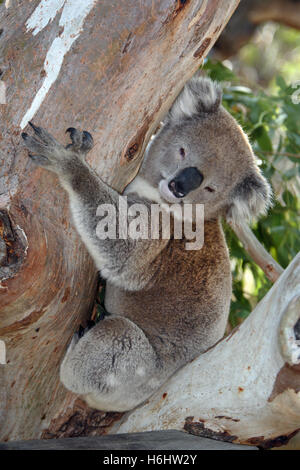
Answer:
(114, 257)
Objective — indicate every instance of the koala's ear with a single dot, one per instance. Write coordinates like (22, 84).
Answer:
(199, 96)
(251, 198)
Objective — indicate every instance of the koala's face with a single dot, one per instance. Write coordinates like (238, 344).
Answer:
(201, 155)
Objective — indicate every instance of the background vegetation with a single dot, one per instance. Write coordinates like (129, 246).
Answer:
(262, 91)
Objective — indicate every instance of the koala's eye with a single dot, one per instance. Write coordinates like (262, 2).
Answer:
(182, 152)
(209, 189)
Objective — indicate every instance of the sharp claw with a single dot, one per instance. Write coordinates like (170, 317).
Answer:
(80, 331)
(90, 324)
(71, 130)
(81, 141)
(87, 136)
(87, 141)
(39, 158)
(36, 129)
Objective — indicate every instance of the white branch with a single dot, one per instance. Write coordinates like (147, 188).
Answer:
(242, 389)
(261, 257)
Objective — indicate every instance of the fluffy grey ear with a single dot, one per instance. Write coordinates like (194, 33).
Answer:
(200, 95)
(250, 198)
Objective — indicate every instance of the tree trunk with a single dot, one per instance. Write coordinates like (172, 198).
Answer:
(112, 67)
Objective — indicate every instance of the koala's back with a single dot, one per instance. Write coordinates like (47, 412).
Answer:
(185, 308)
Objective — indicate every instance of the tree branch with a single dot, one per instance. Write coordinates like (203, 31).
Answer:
(257, 252)
(253, 396)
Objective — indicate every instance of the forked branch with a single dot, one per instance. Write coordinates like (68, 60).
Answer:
(253, 396)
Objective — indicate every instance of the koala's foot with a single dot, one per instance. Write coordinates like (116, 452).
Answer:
(113, 366)
(45, 151)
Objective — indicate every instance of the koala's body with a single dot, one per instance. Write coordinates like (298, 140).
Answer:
(167, 304)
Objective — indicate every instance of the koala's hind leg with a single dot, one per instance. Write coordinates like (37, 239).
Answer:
(113, 366)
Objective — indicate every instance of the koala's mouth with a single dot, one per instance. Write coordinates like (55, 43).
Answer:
(168, 193)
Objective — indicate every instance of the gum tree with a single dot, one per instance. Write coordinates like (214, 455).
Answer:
(112, 67)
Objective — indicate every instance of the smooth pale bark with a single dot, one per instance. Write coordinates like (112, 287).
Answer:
(112, 67)
(246, 389)
(257, 252)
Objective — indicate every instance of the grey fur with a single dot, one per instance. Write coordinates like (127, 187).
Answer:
(199, 96)
(168, 305)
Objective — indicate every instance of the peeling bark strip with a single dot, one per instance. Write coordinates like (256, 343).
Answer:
(2, 353)
(227, 417)
(271, 443)
(71, 22)
(197, 428)
(112, 67)
(201, 50)
(2, 91)
(80, 421)
(287, 378)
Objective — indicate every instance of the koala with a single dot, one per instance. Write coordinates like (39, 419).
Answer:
(167, 304)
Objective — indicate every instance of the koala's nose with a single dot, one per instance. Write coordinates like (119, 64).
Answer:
(186, 181)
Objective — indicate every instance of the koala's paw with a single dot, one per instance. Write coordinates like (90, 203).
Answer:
(45, 151)
(82, 142)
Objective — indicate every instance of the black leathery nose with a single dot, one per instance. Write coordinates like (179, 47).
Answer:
(186, 181)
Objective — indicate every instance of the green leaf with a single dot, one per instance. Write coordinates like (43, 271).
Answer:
(281, 83)
(261, 136)
(218, 71)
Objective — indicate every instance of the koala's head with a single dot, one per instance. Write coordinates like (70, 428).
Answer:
(201, 155)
